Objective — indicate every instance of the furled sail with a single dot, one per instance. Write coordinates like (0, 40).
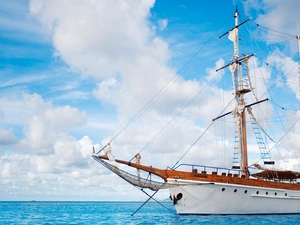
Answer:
(233, 36)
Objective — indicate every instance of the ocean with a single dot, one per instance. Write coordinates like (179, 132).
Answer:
(46, 212)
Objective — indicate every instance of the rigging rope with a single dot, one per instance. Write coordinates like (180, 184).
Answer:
(193, 144)
(298, 44)
(279, 32)
(275, 84)
(285, 134)
(290, 37)
(178, 114)
(268, 91)
(249, 109)
(200, 137)
(162, 89)
(271, 46)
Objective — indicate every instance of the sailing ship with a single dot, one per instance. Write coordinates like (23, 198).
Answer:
(240, 189)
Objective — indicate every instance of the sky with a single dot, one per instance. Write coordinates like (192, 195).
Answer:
(75, 73)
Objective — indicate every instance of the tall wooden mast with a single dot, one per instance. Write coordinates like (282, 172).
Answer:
(240, 103)
(239, 89)
(298, 44)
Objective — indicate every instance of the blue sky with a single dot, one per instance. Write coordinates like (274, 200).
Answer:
(73, 73)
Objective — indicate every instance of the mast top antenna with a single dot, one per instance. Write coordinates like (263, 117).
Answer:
(236, 11)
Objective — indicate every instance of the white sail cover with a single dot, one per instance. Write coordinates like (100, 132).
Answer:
(298, 38)
(238, 111)
(233, 36)
(232, 68)
(107, 152)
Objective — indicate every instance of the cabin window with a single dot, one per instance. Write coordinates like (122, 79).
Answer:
(285, 194)
(235, 190)
(257, 192)
(223, 189)
(246, 191)
(275, 193)
(267, 193)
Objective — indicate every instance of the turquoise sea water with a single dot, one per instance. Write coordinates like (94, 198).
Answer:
(119, 213)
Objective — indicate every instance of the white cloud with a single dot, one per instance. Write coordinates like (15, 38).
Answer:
(7, 137)
(280, 16)
(212, 74)
(64, 117)
(106, 90)
(288, 67)
(66, 157)
(45, 124)
(163, 23)
(68, 154)
(99, 36)
(115, 42)
(68, 168)
(288, 19)
(87, 146)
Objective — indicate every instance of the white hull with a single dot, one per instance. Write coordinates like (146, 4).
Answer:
(219, 198)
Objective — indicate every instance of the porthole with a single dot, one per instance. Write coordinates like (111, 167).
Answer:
(246, 191)
(275, 193)
(235, 190)
(285, 194)
(223, 189)
(179, 196)
(257, 192)
(267, 193)
(176, 198)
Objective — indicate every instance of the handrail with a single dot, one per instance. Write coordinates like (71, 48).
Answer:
(212, 168)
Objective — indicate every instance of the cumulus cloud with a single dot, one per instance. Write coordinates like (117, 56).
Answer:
(212, 71)
(44, 124)
(287, 10)
(91, 36)
(69, 167)
(288, 67)
(7, 137)
(282, 27)
(112, 42)
(67, 156)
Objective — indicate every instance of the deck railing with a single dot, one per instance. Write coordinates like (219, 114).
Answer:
(208, 169)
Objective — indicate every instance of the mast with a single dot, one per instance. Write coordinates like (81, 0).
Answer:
(239, 91)
(298, 44)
